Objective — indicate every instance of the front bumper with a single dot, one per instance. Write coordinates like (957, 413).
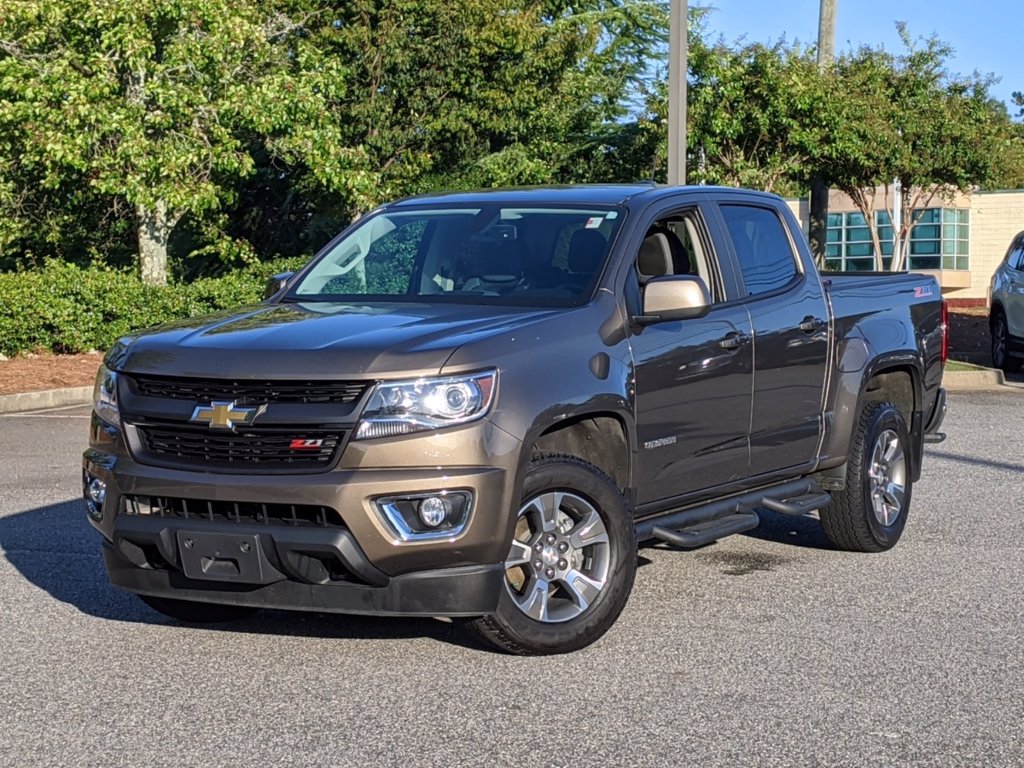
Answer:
(370, 568)
(465, 591)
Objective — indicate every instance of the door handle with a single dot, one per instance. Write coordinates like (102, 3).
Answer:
(810, 324)
(732, 340)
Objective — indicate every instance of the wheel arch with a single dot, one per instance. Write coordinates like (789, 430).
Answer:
(602, 436)
(896, 377)
(898, 380)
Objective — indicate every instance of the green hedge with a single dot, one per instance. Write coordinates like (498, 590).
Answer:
(64, 308)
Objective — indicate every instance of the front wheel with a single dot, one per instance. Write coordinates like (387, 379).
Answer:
(870, 513)
(570, 565)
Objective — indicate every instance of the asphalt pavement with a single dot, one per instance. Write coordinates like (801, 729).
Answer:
(768, 649)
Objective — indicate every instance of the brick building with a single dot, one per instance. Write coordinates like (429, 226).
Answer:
(961, 241)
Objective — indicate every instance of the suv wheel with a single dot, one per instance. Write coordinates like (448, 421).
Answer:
(1001, 345)
(869, 515)
(571, 562)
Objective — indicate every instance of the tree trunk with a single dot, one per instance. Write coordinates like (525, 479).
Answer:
(155, 227)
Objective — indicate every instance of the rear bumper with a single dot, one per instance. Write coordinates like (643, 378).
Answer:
(464, 591)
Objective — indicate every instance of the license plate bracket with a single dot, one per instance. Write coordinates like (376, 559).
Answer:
(221, 557)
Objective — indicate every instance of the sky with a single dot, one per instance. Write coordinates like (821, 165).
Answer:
(987, 35)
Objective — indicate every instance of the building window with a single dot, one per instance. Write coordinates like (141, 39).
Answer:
(940, 240)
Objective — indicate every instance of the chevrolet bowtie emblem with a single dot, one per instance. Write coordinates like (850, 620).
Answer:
(221, 415)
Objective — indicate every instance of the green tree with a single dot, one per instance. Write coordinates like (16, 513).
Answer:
(155, 104)
(477, 92)
(904, 117)
(753, 115)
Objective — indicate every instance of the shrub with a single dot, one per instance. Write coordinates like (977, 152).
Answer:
(65, 308)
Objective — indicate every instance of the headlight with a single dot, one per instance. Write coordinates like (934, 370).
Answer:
(104, 396)
(401, 407)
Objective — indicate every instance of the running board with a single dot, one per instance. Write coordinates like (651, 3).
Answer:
(701, 523)
(800, 505)
(704, 533)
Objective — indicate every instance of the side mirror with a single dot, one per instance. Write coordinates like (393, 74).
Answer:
(277, 283)
(674, 297)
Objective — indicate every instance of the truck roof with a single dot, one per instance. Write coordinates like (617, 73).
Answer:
(569, 194)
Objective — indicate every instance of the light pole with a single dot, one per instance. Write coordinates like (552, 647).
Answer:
(819, 191)
(677, 58)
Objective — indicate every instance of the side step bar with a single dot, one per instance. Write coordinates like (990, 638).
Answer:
(703, 524)
(704, 533)
(800, 505)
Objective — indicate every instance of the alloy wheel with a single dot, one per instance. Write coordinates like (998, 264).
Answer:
(887, 476)
(560, 557)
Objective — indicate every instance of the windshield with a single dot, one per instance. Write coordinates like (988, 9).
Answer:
(487, 254)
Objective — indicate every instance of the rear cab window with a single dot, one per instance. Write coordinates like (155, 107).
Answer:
(763, 249)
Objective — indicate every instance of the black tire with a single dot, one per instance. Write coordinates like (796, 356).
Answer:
(850, 520)
(198, 613)
(510, 628)
(1001, 345)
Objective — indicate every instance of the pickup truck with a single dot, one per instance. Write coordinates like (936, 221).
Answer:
(476, 405)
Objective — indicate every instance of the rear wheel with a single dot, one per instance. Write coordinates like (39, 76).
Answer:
(870, 513)
(197, 613)
(570, 565)
(1001, 345)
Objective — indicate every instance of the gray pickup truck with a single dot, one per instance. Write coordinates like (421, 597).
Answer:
(477, 404)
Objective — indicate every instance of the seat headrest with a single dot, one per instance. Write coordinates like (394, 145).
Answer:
(655, 258)
(586, 247)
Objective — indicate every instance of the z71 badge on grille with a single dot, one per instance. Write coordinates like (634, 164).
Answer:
(225, 415)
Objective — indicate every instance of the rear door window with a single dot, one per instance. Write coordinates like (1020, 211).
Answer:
(763, 249)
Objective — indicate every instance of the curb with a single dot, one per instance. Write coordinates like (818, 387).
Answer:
(48, 398)
(966, 381)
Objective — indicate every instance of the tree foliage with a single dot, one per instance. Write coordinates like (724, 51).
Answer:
(151, 105)
(903, 117)
(754, 115)
(261, 125)
(200, 133)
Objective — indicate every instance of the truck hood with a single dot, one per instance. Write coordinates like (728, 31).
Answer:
(276, 340)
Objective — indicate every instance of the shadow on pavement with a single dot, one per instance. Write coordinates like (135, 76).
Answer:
(794, 530)
(56, 549)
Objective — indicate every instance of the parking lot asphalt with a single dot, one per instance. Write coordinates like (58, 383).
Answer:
(765, 649)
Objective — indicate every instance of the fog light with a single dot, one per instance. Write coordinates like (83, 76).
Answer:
(97, 491)
(426, 516)
(433, 510)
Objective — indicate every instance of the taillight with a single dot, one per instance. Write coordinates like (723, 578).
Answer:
(945, 331)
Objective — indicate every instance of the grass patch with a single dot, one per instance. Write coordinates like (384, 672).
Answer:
(959, 365)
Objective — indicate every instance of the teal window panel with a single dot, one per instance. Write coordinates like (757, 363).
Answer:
(925, 262)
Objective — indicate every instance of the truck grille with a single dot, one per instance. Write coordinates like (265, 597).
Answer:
(248, 392)
(258, 447)
(232, 511)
